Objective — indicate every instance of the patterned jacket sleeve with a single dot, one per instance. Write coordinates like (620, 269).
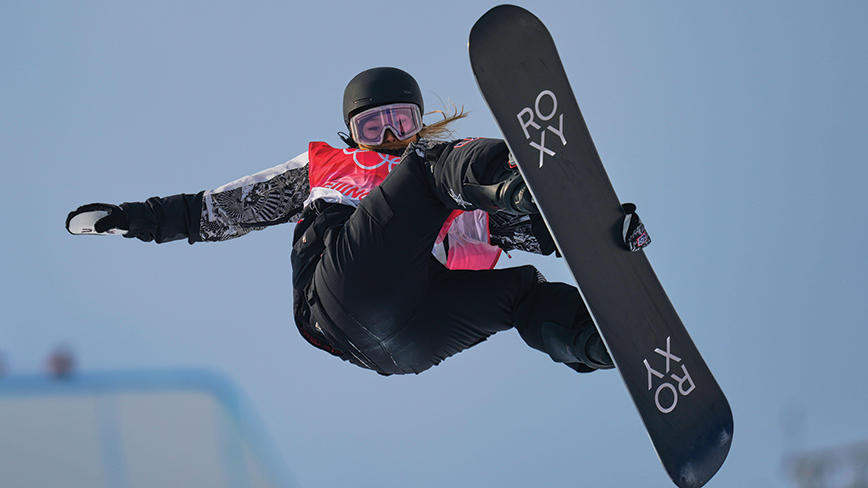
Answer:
(270, 197)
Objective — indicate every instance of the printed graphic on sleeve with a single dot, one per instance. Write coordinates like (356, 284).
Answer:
(237, 211)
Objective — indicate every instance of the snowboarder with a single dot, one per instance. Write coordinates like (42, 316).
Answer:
(395, 241)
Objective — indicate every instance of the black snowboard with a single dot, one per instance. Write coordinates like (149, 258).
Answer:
(522, 79)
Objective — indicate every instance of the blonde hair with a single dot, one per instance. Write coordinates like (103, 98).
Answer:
(438, 131)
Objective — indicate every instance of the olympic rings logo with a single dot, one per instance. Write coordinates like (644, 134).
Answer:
(384, 159)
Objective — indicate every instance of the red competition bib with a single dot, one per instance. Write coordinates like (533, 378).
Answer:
(348, 175)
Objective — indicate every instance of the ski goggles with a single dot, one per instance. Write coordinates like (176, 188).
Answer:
(369, 127)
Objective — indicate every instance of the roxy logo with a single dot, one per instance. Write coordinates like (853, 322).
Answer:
(672, 386)
(545, 110)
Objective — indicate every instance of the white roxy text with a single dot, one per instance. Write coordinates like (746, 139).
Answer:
(672, 384)
(544, 110)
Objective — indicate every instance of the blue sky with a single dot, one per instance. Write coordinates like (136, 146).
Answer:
(737, 128)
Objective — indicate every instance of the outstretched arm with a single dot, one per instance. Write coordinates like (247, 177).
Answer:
(270, 197)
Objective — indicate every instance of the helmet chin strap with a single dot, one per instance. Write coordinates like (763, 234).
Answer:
(347, 139)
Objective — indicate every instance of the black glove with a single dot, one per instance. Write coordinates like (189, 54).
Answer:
(97, 218)
(634, 234)
(539, 230)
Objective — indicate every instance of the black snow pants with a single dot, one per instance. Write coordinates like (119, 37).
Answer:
(379, 297)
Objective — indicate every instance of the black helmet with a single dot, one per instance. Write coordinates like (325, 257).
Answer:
(380, 86)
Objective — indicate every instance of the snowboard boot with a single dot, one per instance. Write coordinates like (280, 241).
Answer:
(589, 348)
(579, 347)
(505, 190)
